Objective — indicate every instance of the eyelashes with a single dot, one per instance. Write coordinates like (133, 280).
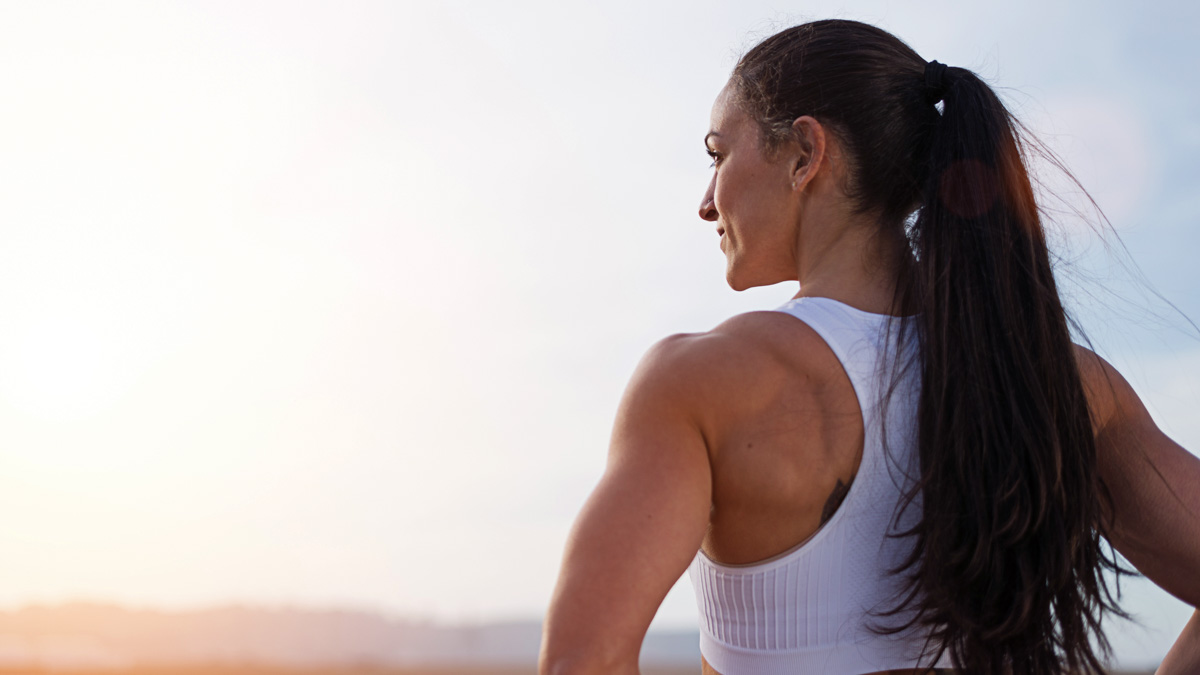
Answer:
(715, 158)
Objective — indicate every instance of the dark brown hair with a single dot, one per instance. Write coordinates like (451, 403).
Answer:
(1007, 566)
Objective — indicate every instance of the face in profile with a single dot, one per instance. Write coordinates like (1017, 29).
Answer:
(750, 198)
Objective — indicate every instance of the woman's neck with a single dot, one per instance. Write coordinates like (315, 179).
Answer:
(860, 267)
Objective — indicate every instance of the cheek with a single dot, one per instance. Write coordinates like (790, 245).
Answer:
(728, 196)
(739, 199)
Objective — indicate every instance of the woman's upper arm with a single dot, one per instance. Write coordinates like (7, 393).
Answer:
(1154, 482)
(642, 524)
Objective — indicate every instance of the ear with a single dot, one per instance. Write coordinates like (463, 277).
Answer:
(808, 150)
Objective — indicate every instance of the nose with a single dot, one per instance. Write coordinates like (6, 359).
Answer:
(708, 206)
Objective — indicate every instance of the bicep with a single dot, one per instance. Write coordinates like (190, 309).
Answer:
(1155, 487)
(641, 526)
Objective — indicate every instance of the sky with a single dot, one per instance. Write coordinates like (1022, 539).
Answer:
(332, 303)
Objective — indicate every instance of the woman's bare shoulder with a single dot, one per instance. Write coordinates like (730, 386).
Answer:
(738, 368)
(1111, 399)
(741, 349)
(1102, 384)
(1153, 481)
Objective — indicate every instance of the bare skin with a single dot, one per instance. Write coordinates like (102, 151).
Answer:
(741, 441)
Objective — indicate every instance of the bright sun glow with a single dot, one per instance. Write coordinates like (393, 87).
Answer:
(66, 365)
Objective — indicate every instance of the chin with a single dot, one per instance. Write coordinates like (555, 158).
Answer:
(735, 285)
(739, 281)
(732, 280)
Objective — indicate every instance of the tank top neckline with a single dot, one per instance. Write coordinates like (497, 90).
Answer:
(852, 308)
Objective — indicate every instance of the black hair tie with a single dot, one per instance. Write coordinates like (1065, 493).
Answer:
(935, 82)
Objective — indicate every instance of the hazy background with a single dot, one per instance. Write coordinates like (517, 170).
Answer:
(331, 304)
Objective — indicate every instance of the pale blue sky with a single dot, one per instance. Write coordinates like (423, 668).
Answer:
(332, 303)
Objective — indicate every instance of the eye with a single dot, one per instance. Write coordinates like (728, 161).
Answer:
(715, 157)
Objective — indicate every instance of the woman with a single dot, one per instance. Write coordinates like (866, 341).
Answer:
(909, 465)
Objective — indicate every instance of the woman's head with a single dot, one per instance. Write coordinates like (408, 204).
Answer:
(757, 192)
(862, 83)
(839, 109)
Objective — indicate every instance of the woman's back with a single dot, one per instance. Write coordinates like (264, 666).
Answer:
(786, 437)
(810, 607)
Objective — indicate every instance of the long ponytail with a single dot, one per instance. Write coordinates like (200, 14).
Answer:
(1007, 566)
(1008, 554)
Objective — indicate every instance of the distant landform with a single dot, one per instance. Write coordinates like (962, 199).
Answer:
(100, 636)
(104, 637)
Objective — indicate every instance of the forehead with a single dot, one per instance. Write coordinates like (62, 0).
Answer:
(727, 117)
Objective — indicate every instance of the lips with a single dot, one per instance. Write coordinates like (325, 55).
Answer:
(720, 231)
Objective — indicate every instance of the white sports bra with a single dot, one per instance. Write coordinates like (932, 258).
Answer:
(808, 610)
